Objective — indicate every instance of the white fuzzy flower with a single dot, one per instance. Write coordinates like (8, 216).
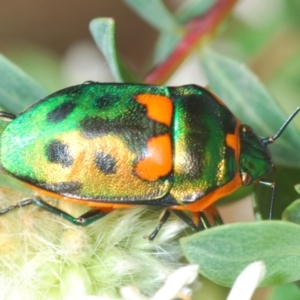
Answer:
(246, 283)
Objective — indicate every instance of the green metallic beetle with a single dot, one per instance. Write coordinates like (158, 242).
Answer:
(111, 146)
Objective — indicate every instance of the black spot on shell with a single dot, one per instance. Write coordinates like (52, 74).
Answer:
(67, 187)
(61, 112)
(57, 152)
(105, 163)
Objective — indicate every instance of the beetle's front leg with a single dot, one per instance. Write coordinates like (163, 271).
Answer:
(83, 220)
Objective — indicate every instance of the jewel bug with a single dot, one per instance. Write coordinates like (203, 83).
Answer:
(111, 146)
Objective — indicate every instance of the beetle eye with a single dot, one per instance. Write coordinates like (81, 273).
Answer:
(246, 128)
(246, 178)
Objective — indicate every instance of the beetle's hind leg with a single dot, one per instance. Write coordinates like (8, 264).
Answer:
(83, 220)
(201, 220)
(163, 218)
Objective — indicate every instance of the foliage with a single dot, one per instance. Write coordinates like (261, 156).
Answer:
(197, 29)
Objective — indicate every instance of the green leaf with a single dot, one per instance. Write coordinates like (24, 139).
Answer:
(292, 212)
(288, 291)
(297, 188)
(285, 80)
(252, 104)
(292, 8)
(166, 42)
(39, 63)
(224, 251)
(103, 32)
(193, 8)
(170, 32)
(285, 178)
(168, 39)
(17, 90)
(155, 13)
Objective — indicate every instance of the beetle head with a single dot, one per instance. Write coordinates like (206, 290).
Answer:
(255, 159)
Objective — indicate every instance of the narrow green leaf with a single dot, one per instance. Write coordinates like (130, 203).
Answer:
(155, 13)
(252, 104)
(168, 39)
(39, 63)
(193, 8)
(165, 44)
(285, 82)
(292, 212)
(103, 32)
(223, 252)
(17, 90)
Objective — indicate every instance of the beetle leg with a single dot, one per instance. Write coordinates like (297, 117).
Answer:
(89, 217)
(271, 184)
(18, 205)
(213, 216)
(162, 220)
(6, 116)
(185, 218)
(201, 220)
(83, 220)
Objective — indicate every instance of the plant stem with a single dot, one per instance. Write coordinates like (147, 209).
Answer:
(196, 30)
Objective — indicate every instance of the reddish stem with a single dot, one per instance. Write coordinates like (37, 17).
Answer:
(196, 30)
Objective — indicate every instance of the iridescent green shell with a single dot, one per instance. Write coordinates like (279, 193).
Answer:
(126, 143)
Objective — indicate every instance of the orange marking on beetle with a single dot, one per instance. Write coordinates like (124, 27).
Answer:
(213, 196)
(159, 108)
(231, 140)
(158, 160)
(195, 217)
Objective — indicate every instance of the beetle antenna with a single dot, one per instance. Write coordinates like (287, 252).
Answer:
(6, 116)
(271, 139)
